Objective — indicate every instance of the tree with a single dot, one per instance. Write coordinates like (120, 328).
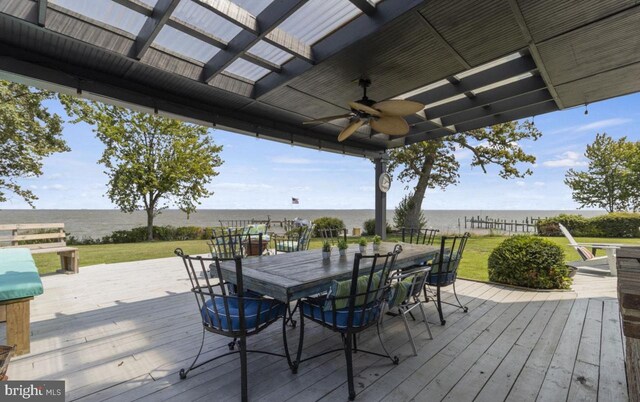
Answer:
(609, 180)
(28, 134)
(433, 163)
(152, 162)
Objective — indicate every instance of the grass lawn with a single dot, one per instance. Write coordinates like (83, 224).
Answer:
(473, 265)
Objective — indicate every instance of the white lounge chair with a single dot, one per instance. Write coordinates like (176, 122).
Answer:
(589, 261)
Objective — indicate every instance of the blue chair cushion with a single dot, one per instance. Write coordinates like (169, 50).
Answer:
(362, 315)
(287, 246)
(19, 276)
(435, 279)
(253, 317)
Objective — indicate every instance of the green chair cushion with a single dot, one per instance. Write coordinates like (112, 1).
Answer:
(342, 289)
(400, 291)
(19, 276)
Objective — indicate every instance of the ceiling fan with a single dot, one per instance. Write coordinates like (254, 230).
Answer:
(385, 117)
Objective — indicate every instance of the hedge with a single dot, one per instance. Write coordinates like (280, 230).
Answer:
(531, 262)
(617, 224)
(328, 223)
(370, 227)
(139, 234)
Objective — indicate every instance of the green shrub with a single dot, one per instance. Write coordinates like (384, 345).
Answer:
(617, 224)
(370, 227)
(402, 211)
(529, 261)
(328, 223)
(577, 225)
(162, 233)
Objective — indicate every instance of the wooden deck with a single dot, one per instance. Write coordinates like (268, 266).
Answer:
(122, 332)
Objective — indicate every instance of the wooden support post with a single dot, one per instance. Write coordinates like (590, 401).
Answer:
(381, 198)
(18, 325)
(628, 265)
(3, 313)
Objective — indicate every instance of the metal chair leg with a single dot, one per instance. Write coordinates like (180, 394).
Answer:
(403, 314)
(183, 373)
(394, 359)
(464, 308)
(347, 353)
(424, 317)
(243, 368)
(439, 306)
(294, 369)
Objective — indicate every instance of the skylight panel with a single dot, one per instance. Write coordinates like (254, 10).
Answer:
(255, 7)
(270, 53)
(487, 66)
(184, 44)
(206, 20)
(317, 19)
(106, 11)
(151, 3)
(247, 70)
(502, 83)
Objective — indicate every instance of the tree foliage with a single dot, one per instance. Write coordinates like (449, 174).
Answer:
(28, 134)
(152, 162)
(611, 178)
(434, 164)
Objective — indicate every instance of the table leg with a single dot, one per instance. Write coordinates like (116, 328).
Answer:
(288, 316)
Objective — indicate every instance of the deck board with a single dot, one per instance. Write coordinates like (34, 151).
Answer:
(121, 332)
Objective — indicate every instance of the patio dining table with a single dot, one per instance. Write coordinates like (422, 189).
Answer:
(291, 276)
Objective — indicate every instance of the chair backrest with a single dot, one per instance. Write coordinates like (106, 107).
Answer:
(407, 284)
(226, 243)
(419, 236)
(332, 235)
(566, 234)
(368, 288)
(445, 267)
(305, 238)
(221, 303)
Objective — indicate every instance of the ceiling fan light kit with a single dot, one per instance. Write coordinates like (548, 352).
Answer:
(385, 117)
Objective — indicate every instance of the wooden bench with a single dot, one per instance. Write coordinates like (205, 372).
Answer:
(50, 238)
(19, 283)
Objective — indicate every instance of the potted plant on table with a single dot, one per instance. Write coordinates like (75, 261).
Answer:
(376, 242)
(326, 249)
(342, 247)
(362, 244)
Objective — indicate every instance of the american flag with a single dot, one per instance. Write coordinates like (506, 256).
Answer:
(295, 201)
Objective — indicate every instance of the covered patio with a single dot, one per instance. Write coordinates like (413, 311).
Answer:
(123, 331)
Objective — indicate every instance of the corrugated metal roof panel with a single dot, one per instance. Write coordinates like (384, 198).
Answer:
(206, 20)
(318, 18)
(106, 11)
(247, 70)
(271, 53)
(184, 44)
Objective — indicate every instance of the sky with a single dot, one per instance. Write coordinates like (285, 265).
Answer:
(261, 174)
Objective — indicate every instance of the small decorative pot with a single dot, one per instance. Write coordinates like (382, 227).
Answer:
(362, 249)
(326, 255)
(342, 253)
(376, 247)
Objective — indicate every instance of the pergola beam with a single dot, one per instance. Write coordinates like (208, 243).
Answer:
(509, 69)
(153, 25)
(533, 49)
(507, 91)
(196, 32)
(364, 6)
(265, 23)
(42, 12)
(137, 6)
(530, 110)
(354, 31)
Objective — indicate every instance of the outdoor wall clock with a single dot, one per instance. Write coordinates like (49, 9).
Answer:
(384, 182)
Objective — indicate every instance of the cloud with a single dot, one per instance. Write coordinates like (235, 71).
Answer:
(286, 160)
(520, 183)
(53, 187)
(596, 125)
(566, 159)
(539, 183)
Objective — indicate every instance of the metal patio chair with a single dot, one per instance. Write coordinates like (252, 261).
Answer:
(293, 241)
(444, 271)
(419, 236)
(332, 235)
(235, 315)
(351, 307)
(406, 286)
(226, 243)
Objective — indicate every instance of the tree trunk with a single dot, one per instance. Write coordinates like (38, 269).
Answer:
(150, 217)
(415, 203)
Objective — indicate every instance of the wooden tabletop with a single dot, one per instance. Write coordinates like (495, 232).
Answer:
(295, 275)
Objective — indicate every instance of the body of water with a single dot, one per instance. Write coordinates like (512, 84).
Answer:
(98, 223)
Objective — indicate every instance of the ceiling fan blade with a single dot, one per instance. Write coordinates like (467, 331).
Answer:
(326, 119)
(391, 125)
(364, 108)
(398, 107)
(350, 129)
